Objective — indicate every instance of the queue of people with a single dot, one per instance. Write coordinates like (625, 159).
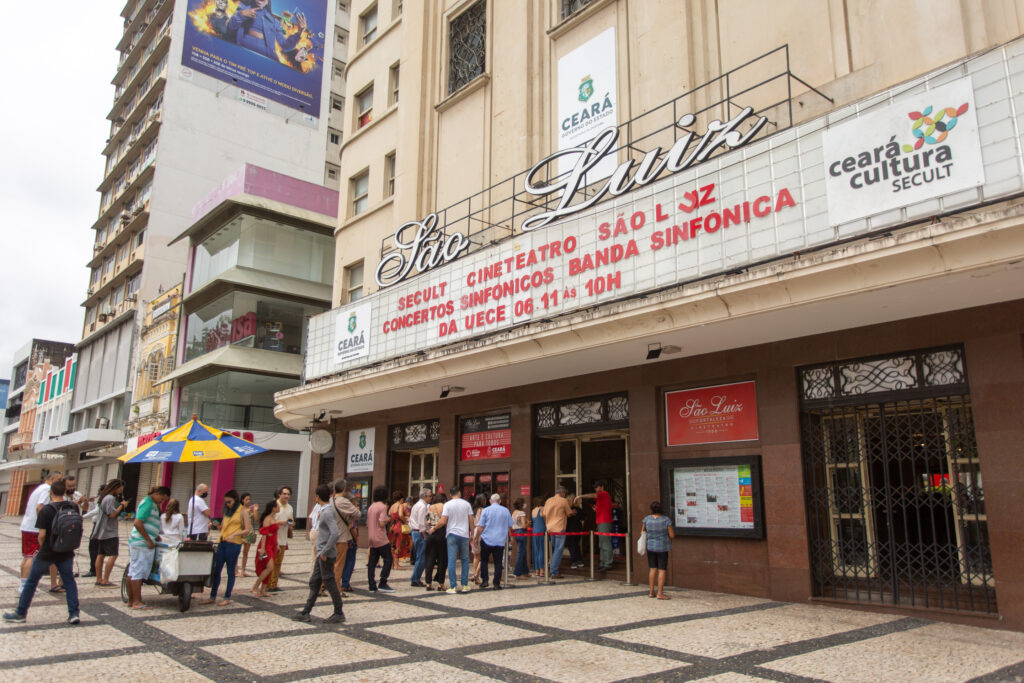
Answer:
(442, 536)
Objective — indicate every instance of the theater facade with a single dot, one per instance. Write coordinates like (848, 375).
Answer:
(806, 341)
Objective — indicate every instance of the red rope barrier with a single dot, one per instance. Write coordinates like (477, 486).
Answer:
(604, 533)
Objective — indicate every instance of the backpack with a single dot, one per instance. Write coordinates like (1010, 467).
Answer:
(66, 529)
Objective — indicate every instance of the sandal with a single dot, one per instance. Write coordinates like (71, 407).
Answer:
(57, 589)
(664, 597)
(108, 584)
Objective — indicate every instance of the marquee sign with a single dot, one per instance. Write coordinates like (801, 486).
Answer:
(759, 200)
(718, 414)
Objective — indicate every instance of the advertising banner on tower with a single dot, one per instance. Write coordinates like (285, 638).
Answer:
(272, 49)
(922, 146)
(587, 100)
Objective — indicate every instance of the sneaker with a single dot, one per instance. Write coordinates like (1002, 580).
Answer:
(418, 584)
(466, 588)
(74, 620)
(335, 619)
(384, 588)
(14, 617)
(497, 586)
(485, 584)
(372, 589)
(302, 616)
(450, 591)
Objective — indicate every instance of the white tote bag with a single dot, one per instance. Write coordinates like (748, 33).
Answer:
(641, 543)
(169, 565)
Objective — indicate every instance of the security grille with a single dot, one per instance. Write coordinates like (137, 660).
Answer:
(896, 508)
(594, 413)
(415, 435)
(467, 46)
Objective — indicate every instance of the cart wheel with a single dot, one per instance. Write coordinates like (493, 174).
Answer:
(125, 592)
(184, 597)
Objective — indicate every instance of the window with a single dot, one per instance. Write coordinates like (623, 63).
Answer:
(354, 282)
(334, 136)
(364, 103)
(140, 238)
(95, 276)
(133, 284)
(389, 175)
(467, 35)
(393, 86)
(339, 69)
(116, 296)
(342, 6)
(101, 234)
(360, 190)
(331, 174)
(397, 12)
(337, 104)
(368, 25)
(122, 253)
(108, 266)
(90, 315)
(341, 37)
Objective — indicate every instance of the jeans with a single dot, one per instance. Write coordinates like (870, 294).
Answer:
(418, 546)
(457, 545)
(350, 565)
(67, 575)
(538, 549)
(522, 566)
(323, 575)
(437, 557)
(227, 554)
(497, 553)
(557, 546)
(605, 543)
(572, 544)
(376, 554)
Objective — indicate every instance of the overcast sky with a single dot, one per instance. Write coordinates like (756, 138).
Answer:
(56, 83)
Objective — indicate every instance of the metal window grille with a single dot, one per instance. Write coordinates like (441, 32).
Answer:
(596, 412)
(571, 7)
(893, 484)
(467, 46)
(415, 434)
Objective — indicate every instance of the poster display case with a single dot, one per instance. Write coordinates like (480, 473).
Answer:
(714, 496)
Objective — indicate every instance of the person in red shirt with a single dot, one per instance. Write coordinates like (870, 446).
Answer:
(603, 513)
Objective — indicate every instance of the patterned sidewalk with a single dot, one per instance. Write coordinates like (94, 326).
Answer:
(571, 631)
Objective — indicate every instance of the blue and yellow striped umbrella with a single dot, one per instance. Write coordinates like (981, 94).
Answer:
(193, 442)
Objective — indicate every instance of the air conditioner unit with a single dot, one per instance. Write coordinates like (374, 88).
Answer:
(102, 423)
(132, 297)
(137, 210)
(126, 216)
(109, 312)
(97, 248)
(103, 317)
(91, 291)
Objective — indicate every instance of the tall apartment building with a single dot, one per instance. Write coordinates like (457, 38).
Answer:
(759, 263)
(200, 89)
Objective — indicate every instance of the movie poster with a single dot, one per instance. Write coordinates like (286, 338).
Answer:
(268, 48)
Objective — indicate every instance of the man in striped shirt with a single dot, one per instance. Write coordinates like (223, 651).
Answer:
(142, 543)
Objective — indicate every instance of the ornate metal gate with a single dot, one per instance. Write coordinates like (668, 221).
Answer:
(895, 505)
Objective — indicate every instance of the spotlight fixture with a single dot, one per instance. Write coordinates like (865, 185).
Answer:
(445, 390)
(654, 350)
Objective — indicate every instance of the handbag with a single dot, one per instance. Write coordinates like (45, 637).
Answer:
(641, 543)
(406, 529)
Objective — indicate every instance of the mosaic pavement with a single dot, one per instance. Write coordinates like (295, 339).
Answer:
(571, 631)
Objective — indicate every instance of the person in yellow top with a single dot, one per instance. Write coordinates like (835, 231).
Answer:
(234, 529)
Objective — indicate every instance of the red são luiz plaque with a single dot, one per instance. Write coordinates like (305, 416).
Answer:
(718, 414)
(486, 438)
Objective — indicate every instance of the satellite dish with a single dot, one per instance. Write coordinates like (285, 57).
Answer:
(320, 440)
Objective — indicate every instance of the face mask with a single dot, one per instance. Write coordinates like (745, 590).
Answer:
(204, 494)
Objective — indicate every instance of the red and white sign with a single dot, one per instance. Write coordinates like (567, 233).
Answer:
(718, 414)
(486, 438)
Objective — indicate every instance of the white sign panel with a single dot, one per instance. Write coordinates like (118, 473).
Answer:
(352, 333)
(587, 99)
(360, 450)
(920, 147)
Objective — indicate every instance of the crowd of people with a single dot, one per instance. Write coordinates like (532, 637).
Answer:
(449, 543)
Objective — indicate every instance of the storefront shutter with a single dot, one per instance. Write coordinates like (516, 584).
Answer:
(261, 475)
(181, 481)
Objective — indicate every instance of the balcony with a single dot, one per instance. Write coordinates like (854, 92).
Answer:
(20, 442)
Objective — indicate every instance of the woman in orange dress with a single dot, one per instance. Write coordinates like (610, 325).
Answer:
(266, 549)
(401, 543)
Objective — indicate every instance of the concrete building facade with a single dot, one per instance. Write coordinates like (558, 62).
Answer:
(750, 261)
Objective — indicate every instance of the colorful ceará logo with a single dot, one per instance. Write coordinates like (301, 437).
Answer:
(933, 129)
(362, 439)
(352, 323)
(586, 88)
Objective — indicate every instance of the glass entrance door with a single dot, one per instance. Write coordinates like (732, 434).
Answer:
(567, 465)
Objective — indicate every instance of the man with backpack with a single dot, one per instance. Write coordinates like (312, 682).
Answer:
(60, 533)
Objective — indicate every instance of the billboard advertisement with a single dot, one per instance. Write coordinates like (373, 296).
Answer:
(272, 49)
